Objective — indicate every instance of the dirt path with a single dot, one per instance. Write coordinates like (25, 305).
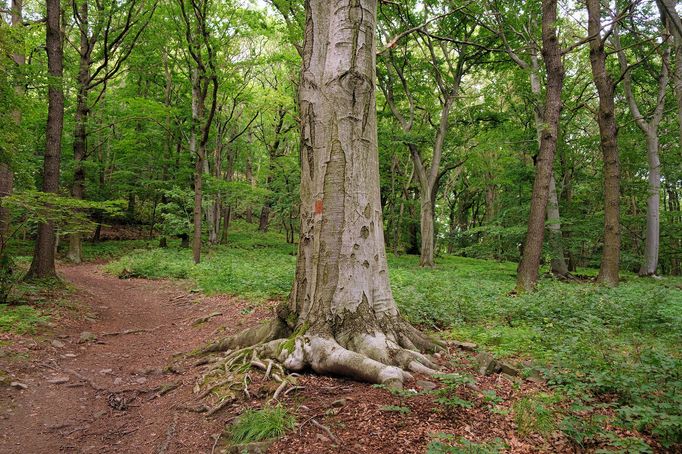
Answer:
(102, 396)
(109, 403)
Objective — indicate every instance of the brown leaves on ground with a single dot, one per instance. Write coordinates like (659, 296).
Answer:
(133, 392)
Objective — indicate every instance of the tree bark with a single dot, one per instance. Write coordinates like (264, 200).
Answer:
(558, 262)
(650, 130)
(75, 253)
(652, 238)
(608, 132)
(43, 263)
(341, 309)
(527, 274)
(198, 165)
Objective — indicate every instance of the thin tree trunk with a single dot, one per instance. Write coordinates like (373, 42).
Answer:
(650, 130)
(249, 179)
(608, 132)
(426, 211)
(527, 274)
(43, 263)
(75, 253)
(558, 262)
(211, 213)
(652, 239)
(198, 167)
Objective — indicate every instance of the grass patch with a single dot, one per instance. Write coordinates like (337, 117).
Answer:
(535, 414)
(21, 319)
(259, 425)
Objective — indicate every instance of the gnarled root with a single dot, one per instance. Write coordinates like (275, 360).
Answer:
(275, 348)
(274, 328)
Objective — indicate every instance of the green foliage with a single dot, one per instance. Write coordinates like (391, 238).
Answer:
(258, 425)
(21, 319)
(176, 213)
(396, 409)
(449, 444)
(253, 266)
(588, 339)
(452, 383)
(535, 414)
(69, 215)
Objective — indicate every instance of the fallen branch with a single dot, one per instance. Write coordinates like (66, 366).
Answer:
(132, 331)
(326, 429)
(169, 436)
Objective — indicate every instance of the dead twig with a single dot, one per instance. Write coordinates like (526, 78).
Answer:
(132, 331)
(326, 429)
(170, 433)
(201, 320)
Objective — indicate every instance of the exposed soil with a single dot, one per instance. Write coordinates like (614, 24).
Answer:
(107, 395)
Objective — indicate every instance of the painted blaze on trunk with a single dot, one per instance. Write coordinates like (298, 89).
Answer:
(341, 318)
(342, 289)
(342, 261)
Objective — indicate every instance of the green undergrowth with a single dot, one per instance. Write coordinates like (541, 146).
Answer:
(21, 319)
(258, 425)
(598, 346)
(32, 304)
(255, 266)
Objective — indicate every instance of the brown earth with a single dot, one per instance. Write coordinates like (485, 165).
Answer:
(105, 396)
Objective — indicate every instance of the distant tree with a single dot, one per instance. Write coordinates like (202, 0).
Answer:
(43, 263)
(648, 123)
(608, 132)
(106, 39)
(527, 274)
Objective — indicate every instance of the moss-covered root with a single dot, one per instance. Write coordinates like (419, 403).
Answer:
(273, 329)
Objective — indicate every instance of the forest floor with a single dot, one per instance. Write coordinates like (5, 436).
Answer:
(101, 363)
(102, 394)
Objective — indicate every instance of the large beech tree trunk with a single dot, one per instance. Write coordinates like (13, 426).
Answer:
(341, 311)
(608, 132)
(43, 263)
(527, 274)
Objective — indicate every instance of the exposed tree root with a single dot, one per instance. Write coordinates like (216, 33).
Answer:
(277, 349)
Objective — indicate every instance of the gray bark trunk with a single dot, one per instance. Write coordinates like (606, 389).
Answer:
(650, 130)
(558, 264)
(651, 245)
(342, 293)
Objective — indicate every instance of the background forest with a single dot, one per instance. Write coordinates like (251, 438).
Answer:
(181, 131)
(459, 97)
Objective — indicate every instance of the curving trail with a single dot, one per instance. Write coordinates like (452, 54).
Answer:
(139, 325)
